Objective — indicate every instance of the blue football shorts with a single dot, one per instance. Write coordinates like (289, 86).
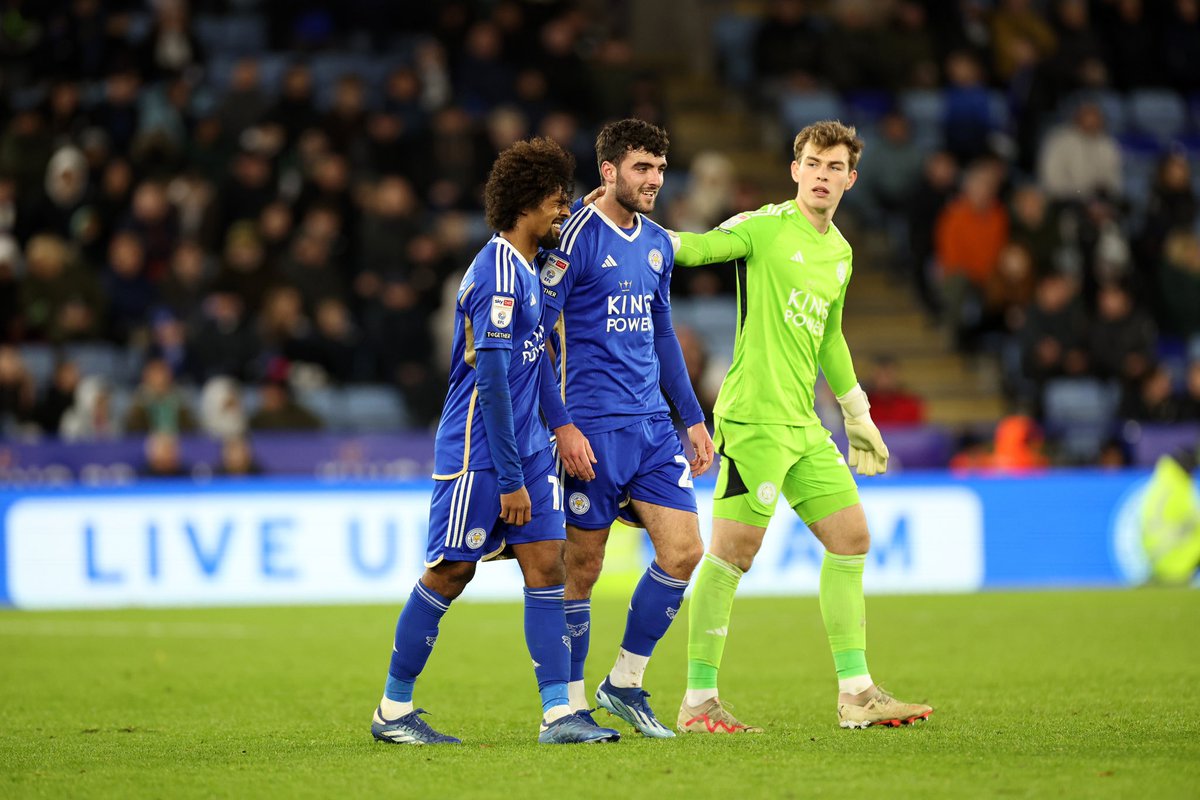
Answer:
(464, 515)
(643, 461)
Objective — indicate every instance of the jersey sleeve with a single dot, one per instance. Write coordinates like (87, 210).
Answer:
(729, 241)
(561, 267)
(490, 303)
(834, 353)
(662, 294)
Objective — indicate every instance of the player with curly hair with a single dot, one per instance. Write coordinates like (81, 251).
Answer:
(497, 490)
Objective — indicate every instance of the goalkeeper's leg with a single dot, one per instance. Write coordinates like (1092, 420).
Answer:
(843, 608)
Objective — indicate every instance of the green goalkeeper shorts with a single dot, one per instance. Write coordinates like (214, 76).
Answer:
(758, 461)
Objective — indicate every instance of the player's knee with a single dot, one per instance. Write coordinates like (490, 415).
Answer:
(583, 570)
(681, 560)
(449, 578)
(855, 542)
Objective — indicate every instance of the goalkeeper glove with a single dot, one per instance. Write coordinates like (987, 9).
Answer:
(868, 454)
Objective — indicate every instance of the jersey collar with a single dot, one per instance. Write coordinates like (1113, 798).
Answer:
(629, 237)
(520, 258)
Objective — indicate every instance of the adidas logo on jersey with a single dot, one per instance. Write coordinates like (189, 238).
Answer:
(609, 261)
(798, 257)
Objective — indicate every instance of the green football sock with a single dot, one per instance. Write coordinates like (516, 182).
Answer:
(844, 611)
(708, 619)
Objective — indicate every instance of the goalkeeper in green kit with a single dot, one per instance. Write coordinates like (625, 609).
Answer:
(793, 267)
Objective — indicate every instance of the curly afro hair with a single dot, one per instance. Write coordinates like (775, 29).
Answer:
(524, 175)
(624, 136)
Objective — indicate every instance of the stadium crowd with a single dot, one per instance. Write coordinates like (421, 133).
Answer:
(282, 193)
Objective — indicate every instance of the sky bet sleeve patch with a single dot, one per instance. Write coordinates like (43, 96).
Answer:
(502, 310)
(553, 270)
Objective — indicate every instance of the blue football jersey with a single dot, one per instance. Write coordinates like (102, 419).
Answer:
(606, 282)
(499, 306)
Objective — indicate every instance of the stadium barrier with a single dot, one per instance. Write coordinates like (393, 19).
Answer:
(306, 541)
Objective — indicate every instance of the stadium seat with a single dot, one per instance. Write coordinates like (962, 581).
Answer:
(374, 408)
(1080, 413)
(39, 360)
(235, 34)
(733, 37)
(1112, 105)
(1158, 112)
(101, 358)
(326, 402)
(799, 109)
(925, 109)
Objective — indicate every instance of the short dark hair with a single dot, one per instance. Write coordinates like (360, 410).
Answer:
(624, 136)
(525, 174)
(829, 133)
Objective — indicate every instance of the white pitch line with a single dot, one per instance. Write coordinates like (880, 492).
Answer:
(82, 630)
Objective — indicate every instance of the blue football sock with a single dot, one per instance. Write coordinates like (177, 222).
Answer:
(416, 632)
(579, 625)
(655, 603)
(548, 643)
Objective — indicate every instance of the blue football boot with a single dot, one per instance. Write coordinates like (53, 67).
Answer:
(409, 729)
(630, 705)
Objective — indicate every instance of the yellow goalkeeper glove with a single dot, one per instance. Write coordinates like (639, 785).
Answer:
(868, 454)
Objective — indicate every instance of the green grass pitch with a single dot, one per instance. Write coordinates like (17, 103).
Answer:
(1051, 694)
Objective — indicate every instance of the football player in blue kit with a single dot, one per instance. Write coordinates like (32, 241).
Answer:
(497, 488)
(610, 279)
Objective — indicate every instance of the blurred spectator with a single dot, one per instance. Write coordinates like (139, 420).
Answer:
(1054, 337)
(164, 458)
(334, 344)
(891, 402)
(65, 118)
(1078, 60)
(244, 103)
(908, 51)
(91, 417)
(1009, 290)
(344, 122)
(894, 169)
(1080, 159)
(225, 341)
(1172, 205)
(18, 393)
(247, 190)
(1190, 405)
(64, 193)
(130, 293)
(58, 397)
(1179, 284)
(310, 270)
(928, 198)
(860, 42)
(1035, 228)
(153, 219)
(483, 77)
(118, 112)
(789, 45)
(61, 302)
(25, 150)
(275, 233)
(169, 342)
(1181, 42)
(221, 413)
(1130, 39)
(1122, 337)
(243, 269)
(971, 231)
(186, 284)
(237, 458)
(171, 48)
(279, 411)
(695, 357)
(158, 406)
(295, 110)
(967, 126)
(1152, 399)
(11, 267)
(1015, 22)
(1016, 449)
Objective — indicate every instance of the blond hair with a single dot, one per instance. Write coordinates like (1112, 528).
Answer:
(826, 134)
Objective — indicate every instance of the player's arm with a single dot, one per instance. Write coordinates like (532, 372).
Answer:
(491, 314)
(715, 247)
(574, 449)
(868, 454)
(495, 406)
(673, 376)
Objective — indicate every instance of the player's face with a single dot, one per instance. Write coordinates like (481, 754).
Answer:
(548, 218)
(638, 180)
(823, 176)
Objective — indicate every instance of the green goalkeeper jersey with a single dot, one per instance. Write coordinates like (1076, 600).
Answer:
(791, 285)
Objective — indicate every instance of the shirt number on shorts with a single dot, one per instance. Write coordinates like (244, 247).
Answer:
(555, 491)
(685, 480)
